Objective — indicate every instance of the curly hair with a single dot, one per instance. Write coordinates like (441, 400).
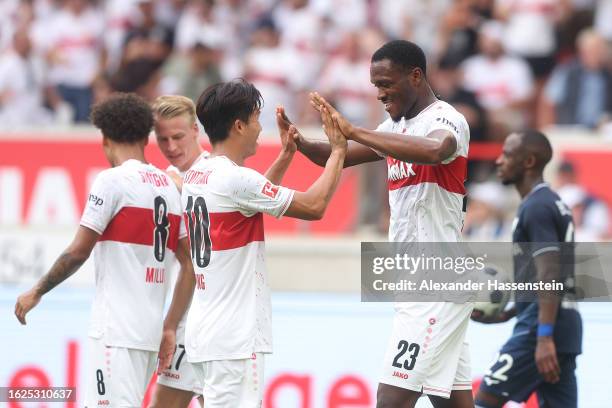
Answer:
(123, 118)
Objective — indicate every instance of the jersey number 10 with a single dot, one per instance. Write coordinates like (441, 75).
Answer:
(198, 224)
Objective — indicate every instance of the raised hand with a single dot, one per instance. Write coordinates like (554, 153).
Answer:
(337, 140)
(318, 102)
(288, 139)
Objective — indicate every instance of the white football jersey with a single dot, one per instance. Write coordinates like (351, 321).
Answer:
(427, 201)
(175, 169)
(230, 314)
(135, 208)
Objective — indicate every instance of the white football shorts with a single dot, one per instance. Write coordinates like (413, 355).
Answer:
(427, 351)
(117, 376)
(232, 383)
(180, 375)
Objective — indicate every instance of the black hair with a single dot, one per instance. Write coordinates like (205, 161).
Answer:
(123, 118)
(220, 105)
(404, 53)
(536, 143)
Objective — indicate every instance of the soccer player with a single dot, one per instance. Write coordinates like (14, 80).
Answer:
(541, 353)
(425, 142)
(132, 222)
(177, 136)
(229, 322)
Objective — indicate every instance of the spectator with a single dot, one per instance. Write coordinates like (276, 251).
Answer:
(458, 34)
(72, 43)
(591, 215)
(189, 74)
(446, 82)
(580, 91)
(503, 84)
(274, 70)
(148, 39)
(21, 85)
(485, 218)
(603, 16)
(141, 76)
(530, 31)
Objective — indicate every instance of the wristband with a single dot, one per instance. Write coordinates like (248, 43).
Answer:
(545, 329)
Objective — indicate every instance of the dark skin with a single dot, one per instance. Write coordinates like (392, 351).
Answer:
(523, 166)
(405, 93)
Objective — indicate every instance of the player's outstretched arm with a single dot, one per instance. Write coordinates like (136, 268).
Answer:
(288, 134)
(311, 204)
(318, 151)
(183, 292)
(436, 147)
(68, 263)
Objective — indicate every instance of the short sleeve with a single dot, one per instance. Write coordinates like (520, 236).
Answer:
(453, 122)
(253, 193)
(101, 204)
(539, 221)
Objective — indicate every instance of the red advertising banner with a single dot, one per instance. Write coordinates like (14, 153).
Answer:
(46, 183)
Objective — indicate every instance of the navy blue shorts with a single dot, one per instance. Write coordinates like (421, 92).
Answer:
(514, 376)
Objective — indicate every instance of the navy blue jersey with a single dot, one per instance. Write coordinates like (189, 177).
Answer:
(543, 224)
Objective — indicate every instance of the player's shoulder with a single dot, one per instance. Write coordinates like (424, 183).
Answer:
(543, 202)
(386, 126)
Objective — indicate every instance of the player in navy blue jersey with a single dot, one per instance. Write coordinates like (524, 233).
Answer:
(541, 353)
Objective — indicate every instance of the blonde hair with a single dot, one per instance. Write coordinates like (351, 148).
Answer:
(171, 106)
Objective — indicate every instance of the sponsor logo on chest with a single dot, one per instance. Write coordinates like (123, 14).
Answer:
(398, 170)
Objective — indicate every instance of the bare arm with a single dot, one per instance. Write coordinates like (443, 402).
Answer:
(66, 264)
(436, 147)
(311, 204)
(181, 299)
(318, 151)
(547, 266)
(277, 170)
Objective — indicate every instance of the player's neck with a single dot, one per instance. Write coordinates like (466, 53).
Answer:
(229, 150)
(193, 159)
(426, 98)
(528, 183)
(128, 153)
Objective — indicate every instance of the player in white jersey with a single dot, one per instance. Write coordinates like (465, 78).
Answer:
(132, 222)
(177, 136)
(229, 322)
(425, 143)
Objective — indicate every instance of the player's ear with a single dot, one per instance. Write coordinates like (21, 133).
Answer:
(239, 126)
(530, 161)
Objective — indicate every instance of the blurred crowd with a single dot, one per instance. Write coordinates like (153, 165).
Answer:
(505, 64)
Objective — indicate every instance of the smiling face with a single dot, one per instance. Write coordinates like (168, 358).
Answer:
(177, 139)
(397, 87)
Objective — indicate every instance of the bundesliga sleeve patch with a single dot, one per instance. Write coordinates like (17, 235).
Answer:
(269, 190)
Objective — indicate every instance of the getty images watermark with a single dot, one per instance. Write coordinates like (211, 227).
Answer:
(462, 272)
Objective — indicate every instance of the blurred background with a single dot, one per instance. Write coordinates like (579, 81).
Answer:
(505, 64)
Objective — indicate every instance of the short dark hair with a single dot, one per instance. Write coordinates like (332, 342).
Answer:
(123, 118)
(220, 105)
(403, 53)
(537, 143)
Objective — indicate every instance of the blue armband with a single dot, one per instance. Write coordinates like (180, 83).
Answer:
(545, 329)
